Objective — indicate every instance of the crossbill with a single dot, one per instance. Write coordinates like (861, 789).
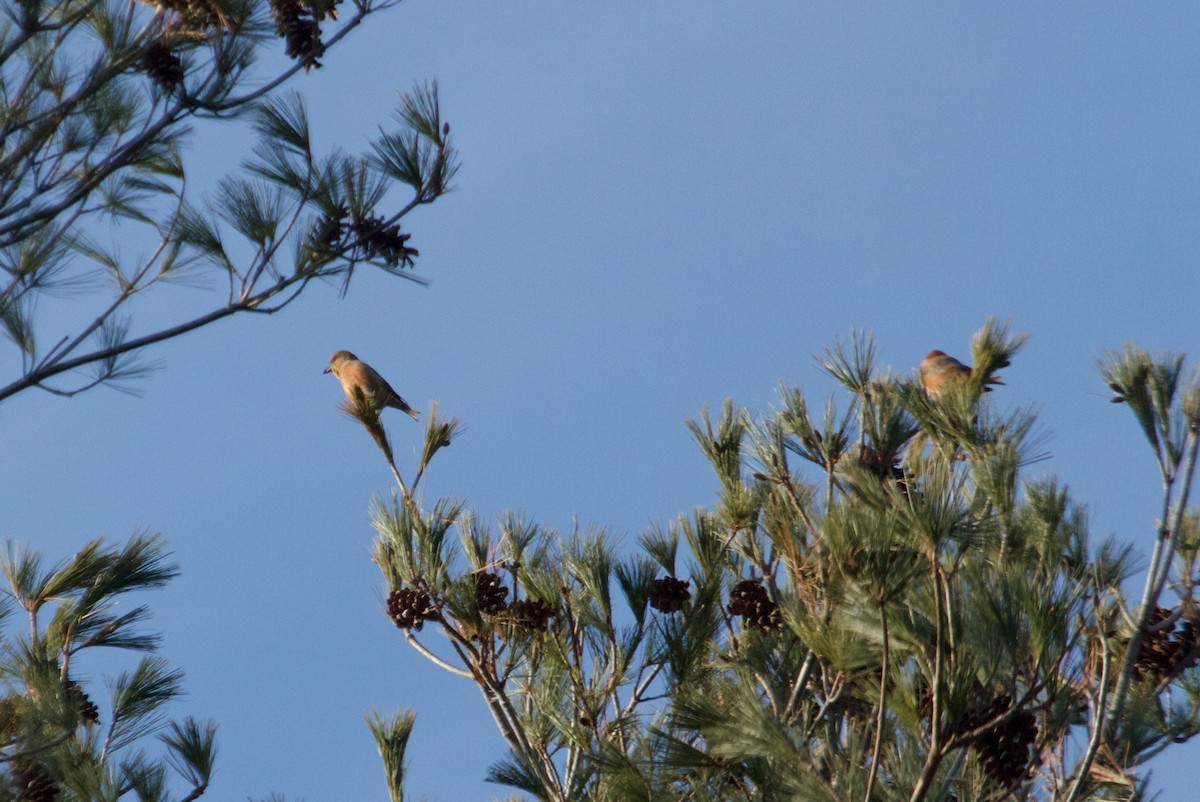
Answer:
(938, 368)
(359, 380)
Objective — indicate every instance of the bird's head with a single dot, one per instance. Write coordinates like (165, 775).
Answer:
(337, 358)
(931, 359)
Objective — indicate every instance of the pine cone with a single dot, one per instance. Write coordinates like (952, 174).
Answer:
(1185, 645)
(300, 31)
(1004, 752)
(379, 241)
(729, 776)
(328, 8)
(175, 6)
(410, 608)
(87, 708)
(490, 594)
(749, 599)
(1165, 651)
(33, 782)
(326, 235)
(669, 594)
(530, 614)
(190, 14)
(977, 716)
(923, 696)
(884, 466)
(163, 66)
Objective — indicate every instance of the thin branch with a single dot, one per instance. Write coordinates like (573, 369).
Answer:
(242, 100)
(36, 377)
(85, 185)
(196, 793)
(399, 480)
(802, 675)
(121, 298)
(934, 758)
(1099, 714)
(642, 687)
(108, 739)
(433, 658)
(1160, 566)
(882, 711)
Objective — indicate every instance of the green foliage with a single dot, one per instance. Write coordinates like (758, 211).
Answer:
(52, 735)
(97, 100)
(879, 606)
(98, 103)
(391, 735)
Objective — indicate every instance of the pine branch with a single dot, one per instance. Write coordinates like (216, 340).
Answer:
(392, 736)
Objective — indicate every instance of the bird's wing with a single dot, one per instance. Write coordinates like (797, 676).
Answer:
(947, 362)
(376, 381)
(390, 396)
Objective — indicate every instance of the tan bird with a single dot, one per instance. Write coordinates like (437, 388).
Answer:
(360, 379)
(938, 368)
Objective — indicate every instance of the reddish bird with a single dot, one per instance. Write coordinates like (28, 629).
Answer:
(938, 367)
(360, 379)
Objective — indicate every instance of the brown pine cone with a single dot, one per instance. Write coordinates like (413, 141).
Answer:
(749, 599)
(490, 594)
(669, 594)
(410, 608)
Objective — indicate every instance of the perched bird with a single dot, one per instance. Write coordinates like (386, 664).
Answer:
(938, 368)
(360, 380)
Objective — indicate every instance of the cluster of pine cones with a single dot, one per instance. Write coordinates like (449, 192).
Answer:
(376, 240)
(297, 23)
(370, 238)
(158, 60)
(491, 595)
(1165, 651)
(410, 608)
(749, 599)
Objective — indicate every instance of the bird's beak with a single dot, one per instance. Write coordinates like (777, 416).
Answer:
(327, 370)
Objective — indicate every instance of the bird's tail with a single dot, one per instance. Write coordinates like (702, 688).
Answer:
(402, 405)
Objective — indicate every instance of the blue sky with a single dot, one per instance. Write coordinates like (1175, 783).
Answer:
(660, 205)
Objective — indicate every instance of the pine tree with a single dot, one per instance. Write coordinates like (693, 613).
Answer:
(97, 100)
(879, 606)
(96, 103)
(61, 741)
